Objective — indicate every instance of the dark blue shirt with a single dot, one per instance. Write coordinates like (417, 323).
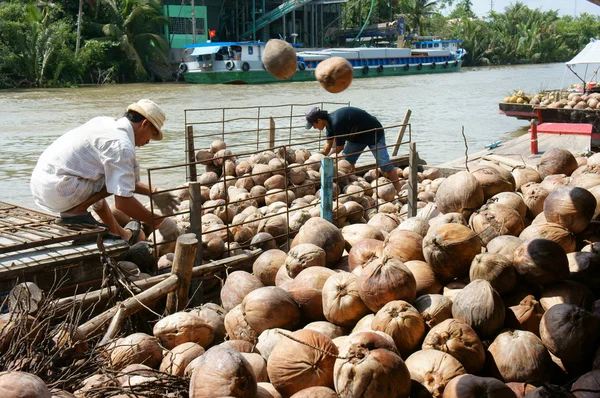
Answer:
(349, 120)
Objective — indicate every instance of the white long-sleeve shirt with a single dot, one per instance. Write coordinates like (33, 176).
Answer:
(81, 161)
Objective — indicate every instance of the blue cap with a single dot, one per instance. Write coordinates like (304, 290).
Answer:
(311, 116)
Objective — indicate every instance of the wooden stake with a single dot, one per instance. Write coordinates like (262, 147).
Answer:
(196, 217)
(413, 164)
(401, 131)
(271, 132)
(183, 263)
(191, 153)
(327, 189)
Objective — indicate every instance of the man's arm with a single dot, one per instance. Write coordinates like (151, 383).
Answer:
(327, 147)
(338, 148)
(134, 209)
(143, 189)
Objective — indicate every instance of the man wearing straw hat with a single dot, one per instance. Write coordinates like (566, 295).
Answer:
(341, 125)
(95, 160)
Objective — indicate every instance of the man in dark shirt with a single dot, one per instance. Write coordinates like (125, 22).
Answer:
(342, 126)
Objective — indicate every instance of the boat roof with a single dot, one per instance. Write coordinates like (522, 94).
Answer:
(438, 41)
(219, 44)
(589, 55)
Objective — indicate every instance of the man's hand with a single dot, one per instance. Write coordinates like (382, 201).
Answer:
(166, 202)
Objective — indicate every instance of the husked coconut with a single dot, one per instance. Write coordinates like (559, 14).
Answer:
(363, 252)
(534, 200)
(507, 362)
(553, 182)
(448, 218)
(403, 323)
(135, 348)
(342, 304)
(176, 360)
(493, 220)
(434, 308)
(354, 212)
(584, 267)
(357, 232)
(22, 385)
(566, 292)
(222, 372)
(334, 74)
(384, 221)
(365, 324)
(295, 365)
(493, 180)
(554, 232)
(526, 315)
(496, 269)
(541, 261)
(279, 59)
(270, 307)
(504, 245)
(370, 367)
(306, 290)
(450, 249)
(524, 175)
(556, 161)
(404, 245)
(264, 241)
(386, 279)
(258, 364)
(323, 234)
(427, 283)
(327, 328)
(571, 207)
(316, 392)
(461, 193)
(267, 341)
(237, 285)
(433, 370)
(480, 307)
(183, 327)
(458, 339)
(470, 386)
(241, 345)
(237, 326)
(214, 315)
(265, 267)
(512, 200)
(303, 256)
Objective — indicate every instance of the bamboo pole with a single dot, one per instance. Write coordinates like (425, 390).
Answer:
(196, 216)
(413, 165)
(401, 132)
(271, 132)
(183, 264)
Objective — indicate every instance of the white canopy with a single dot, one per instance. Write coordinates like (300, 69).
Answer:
(589, 55)
(205, 50)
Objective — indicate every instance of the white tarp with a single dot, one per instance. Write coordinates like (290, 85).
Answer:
(205, 50)
(589, 55)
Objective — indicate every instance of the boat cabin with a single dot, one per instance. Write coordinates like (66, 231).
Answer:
(222, 56)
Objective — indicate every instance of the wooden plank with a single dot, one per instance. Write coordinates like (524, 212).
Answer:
(503, 159)
(401, 132)
(191, 153)
(271, 132)
(412, 180)
(183, 262)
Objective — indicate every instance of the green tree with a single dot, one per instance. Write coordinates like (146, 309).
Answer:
(464, 9)
(133, 24)
(418, 11)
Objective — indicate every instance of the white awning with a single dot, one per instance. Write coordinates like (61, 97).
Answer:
(589, 55)
(205, 50)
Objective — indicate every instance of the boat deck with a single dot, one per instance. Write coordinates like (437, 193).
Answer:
(34, 248)
(517, 152)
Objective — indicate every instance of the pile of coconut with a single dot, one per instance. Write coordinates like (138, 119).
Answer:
(556, 100)
(490, 294)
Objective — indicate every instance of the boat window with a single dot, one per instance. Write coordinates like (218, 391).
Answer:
(429, 45)
(250, 50)
(436, 45)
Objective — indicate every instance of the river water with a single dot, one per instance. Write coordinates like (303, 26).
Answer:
(441, 105)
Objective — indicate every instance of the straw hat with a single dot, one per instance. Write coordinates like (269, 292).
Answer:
(152, 112)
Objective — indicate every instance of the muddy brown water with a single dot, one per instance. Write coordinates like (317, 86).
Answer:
(441, 105)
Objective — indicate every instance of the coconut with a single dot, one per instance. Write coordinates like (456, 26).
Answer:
(427, 283)
(136, 348)
(588, 385)
(534, 200)
(494, 220)
(434, 308)
(342, 304)
(556, 161)
(525, 175)
(237, 326)
(323, 234)
(570, 333)
(176, 360)
(418, 225)
(449, 249)
(504, 245)
(496, 269)
(481, 307)
(214, 315)
(303, 256)
(526, 315)
(354, 212)
(541, 261)
(241, 346)
(316, 392)
(279, 59)
(327, 328)
(493, 180)
(470, 386)
(357, 232)
(363, 252)
(370, 366)
(267, 341)
(222, 372)
(283, 279)
(403, 245)
(265, 267)
(23, 385)
(334, 74)
(553, 182)
(304, 360)
(584, 267)
(459, 340)
(365, 325)
(384, 221)
(386, 279)
(461, 193)
(573, 208)
(237, 285)
(549, 391)
(520, 389)
(263, 241)
(183, 327)
(512, 200)
(448, 218)
(306, 290)
(566, 292)
(403, 323)
(266, 390)
(212, 246)
(433, 370)
(507, 362)
(258, 365)
(551, 231)
(270, 307)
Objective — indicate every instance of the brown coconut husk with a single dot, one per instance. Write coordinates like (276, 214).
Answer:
(470, 386)
(433, 370)
(504, 245)
(403, 323)
(525, 175)
(541, 261)
(427, 283)
(306, 290)
(571, 207)
(556, 161)
(183, 327)
(481, 307)
(460, 193)
(266, 265)
(404, 245)
(334, 74)
(270, 307)
(496, 269)
(525, 315)
(386, 279)
(342, 304)
(176, 360)
(363, 252)
(551, 231)
(323, 234)
(237, 285)
(434, 308)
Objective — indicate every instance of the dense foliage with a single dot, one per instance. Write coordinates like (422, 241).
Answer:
(121, 38)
